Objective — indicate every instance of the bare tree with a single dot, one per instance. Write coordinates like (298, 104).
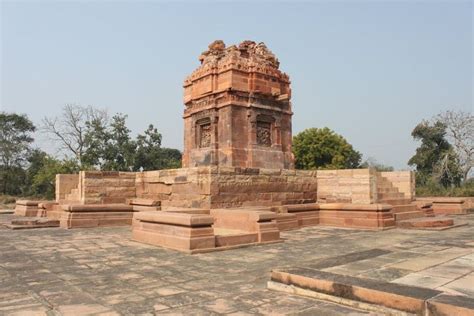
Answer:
(70, 127)
(460, 133)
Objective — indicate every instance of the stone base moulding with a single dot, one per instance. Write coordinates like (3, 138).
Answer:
(95, 215)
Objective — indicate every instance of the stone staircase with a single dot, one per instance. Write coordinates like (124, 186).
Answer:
(403, 208)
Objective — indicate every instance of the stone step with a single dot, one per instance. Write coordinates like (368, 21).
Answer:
(426, 223)
(408, 215)
(394, 201)
(403, 208)
(378, 297)
(32, 222)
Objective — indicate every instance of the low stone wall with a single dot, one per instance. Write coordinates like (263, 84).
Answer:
(180, 231)
(27, 208)
(64, 184)
(103, 187)
(449, 205)
(404, 181)
(236, 187)
(347, 186)
(86, 216)
(176, 188)
(223, 187)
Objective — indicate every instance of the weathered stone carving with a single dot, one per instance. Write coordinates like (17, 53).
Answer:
(264, 133)
(205, 135)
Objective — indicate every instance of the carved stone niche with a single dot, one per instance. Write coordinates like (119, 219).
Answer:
(203, 133)
(265, 126)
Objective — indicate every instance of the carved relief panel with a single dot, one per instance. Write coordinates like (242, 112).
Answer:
(264, 133)
(205, 140)
(203, 133)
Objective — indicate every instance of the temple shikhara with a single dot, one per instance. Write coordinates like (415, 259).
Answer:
(238, 185)
(238, 109)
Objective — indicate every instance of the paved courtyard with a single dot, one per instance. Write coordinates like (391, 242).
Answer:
(101, 271)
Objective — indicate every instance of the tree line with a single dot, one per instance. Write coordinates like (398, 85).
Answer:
(443, 161)
(89, 139)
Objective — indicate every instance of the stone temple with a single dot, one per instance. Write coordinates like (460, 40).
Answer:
(238, 109)
(238, 185)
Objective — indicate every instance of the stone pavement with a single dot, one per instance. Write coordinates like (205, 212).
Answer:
(100, 271)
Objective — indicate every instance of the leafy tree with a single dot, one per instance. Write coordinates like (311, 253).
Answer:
(170, 158)
(372, 163)
(96, 139)
(150, 155)
(45, 178)
(15, 140)
(120, 148)
(322, 148)
(35, 162)
(435, 159)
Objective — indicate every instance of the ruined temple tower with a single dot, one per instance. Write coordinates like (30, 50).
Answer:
(237, 109)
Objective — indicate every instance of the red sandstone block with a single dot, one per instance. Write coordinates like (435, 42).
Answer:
(174, 230)
(97, 208)
(191, 220)
(173, 242)
(305, 219)
(28, 202)
(144, 202)
(301, 207)
(72, 220)
(286, 221)
(355, 207)
(239, 239)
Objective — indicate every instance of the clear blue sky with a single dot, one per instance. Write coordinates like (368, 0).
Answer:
(368, 70)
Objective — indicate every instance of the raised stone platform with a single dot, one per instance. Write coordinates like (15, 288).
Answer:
(179, 231)
(430, 223)
(258, 221)
(448, 205)
(32, 222)
(27, 208)
(193, 232)
(365, 216)
(95, 215)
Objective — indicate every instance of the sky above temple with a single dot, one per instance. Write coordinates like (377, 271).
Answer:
(368, 70)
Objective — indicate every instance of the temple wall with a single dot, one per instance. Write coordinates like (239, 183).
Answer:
(404, 181)
(175, 188)
(347, 186)
(102, 187)
(218, 187)
(262, 187)
(223, 187)
(64, 184)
